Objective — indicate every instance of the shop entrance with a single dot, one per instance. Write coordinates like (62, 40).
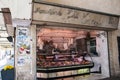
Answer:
(66, 52)
(118, 39)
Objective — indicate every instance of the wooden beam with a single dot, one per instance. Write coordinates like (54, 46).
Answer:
(4, 12)
(7, 16)
(8, 21)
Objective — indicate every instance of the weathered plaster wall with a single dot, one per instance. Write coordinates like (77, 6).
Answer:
(107, 6)
(19, 8)
(102, 59)
(22, 8)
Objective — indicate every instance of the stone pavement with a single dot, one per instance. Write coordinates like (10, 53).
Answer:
(92, 77)
(112, 78)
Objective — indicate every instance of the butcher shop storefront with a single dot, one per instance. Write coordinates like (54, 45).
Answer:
(64, 42)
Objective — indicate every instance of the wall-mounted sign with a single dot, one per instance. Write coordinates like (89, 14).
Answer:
(49, 13)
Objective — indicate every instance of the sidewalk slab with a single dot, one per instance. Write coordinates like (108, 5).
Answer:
(112, 78)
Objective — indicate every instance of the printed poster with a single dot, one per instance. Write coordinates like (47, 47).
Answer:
(23, 41)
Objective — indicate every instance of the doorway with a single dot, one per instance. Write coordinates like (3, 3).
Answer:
(118, 40)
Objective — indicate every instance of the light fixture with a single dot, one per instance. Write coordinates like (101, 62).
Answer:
(10, 39)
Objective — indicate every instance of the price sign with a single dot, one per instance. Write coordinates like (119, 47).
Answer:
(83, 71)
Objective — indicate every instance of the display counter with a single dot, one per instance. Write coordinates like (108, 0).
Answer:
(55, 66)
(64, 68)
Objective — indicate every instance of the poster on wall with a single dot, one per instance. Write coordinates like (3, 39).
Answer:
(24, 61)
(21, 61)
(24, 64)
(23, 41)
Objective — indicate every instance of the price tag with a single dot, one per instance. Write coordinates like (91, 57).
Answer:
(83, 71)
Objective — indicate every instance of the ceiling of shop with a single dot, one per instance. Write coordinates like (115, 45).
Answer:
(60, 35)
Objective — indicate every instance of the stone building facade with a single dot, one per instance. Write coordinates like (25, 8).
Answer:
(23, 18)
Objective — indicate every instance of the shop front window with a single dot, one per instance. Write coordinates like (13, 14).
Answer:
(92, 47)
(61, 50)
(64, 47)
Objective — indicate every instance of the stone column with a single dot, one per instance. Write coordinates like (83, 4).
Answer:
(113, 52)
(25, 53)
